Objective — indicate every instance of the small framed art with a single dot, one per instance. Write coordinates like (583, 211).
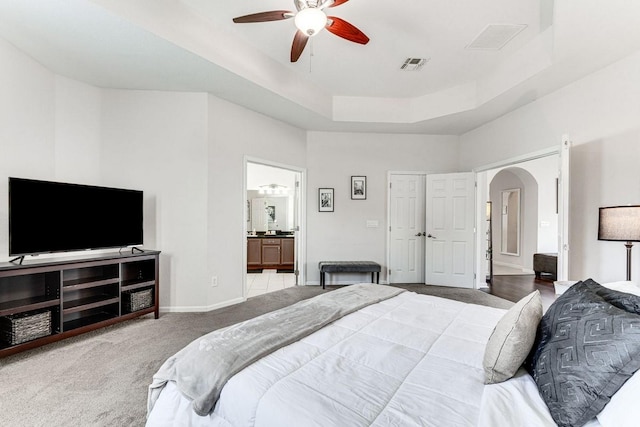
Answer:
(325, 199)
(358, 187)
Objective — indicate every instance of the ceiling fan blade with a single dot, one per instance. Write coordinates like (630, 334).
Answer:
(274, 15)
(338, 3)
(299, 42)
(342, 28)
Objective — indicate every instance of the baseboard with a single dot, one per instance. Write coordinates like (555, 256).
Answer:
(516, 266)
(200, 309)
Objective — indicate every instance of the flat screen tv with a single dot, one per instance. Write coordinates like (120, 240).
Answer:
(49, 216)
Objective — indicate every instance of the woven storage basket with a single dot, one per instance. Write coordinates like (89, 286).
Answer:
(23, 327)
(137, 300)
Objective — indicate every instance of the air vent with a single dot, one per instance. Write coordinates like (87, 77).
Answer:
(414, 64)
(495, 36)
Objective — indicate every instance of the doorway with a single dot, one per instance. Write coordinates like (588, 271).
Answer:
(273, 225)
(431, 228)
(524, 218)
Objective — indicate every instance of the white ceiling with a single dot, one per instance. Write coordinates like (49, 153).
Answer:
(193, 45)
(397, 30)
(259, 175)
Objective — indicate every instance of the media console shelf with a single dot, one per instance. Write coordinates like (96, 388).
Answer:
(79, 294)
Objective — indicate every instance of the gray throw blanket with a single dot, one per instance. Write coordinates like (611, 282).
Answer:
(203, 367)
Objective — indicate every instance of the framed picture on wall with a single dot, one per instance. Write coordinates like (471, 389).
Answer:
(271, 213)
(358, 187)
(325, 199)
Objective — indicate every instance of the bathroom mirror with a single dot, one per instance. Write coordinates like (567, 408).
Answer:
(510, 231)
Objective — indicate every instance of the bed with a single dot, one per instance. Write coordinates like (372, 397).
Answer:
(407, 360)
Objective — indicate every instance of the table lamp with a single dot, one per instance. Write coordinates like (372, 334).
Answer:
(621, 224)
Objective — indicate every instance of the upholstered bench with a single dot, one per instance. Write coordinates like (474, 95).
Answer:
(545, 263)
(349, 267)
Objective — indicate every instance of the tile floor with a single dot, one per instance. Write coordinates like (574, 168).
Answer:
(268, 281)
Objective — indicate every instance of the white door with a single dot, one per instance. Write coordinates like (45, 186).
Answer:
(450, 229)
(406, 234)
(297, 202)
(563, 210)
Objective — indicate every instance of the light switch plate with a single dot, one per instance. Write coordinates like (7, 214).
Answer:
(372, 223)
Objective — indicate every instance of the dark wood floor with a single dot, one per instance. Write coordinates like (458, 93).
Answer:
(513, 288)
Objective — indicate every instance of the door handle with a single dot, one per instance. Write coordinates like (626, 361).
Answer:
(431, 237)
(419, 234)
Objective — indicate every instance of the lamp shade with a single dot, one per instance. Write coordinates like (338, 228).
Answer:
(310, 21)
(619, 223)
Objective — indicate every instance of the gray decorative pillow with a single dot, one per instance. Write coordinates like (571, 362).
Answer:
(587, 346)
(623, 300)
(511, 339)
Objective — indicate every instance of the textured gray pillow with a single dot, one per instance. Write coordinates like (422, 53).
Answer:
(512, 339)
(588, 345)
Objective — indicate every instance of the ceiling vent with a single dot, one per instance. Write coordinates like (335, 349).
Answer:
(413, 64)
(495, 36)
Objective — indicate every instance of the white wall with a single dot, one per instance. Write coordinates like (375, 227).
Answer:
(545, 172)
(604, 173)
(77, 132)
(332, 158)
(601, 112)
(157, 142)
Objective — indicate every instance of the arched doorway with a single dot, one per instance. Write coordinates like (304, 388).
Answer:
(513, 192)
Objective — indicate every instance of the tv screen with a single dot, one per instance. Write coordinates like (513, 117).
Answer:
(55, 217)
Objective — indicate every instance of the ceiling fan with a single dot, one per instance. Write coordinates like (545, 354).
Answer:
(310, 19)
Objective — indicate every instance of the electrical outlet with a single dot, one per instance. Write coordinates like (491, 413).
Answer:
(214, 281)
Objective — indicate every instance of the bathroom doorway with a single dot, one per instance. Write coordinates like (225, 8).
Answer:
(273, 231)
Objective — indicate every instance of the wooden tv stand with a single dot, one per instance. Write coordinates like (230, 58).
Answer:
(82, 293)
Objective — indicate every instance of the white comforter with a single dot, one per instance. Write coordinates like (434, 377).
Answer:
(410, 360)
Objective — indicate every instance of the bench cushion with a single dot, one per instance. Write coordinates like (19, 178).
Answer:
(348, 266)
(546, 263)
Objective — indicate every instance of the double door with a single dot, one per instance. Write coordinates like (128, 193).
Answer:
(431, 234)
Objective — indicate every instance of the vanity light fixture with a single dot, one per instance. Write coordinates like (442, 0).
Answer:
(273, 189)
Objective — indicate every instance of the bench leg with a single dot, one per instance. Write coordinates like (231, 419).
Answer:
(378, 277)
(322, 280)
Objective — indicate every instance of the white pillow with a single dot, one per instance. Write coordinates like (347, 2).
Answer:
(512, 339)
(628, 287)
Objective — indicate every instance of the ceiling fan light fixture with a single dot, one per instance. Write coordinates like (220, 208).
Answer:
(310, 21)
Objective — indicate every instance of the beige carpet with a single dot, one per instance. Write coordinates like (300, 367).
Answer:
(101, 378)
